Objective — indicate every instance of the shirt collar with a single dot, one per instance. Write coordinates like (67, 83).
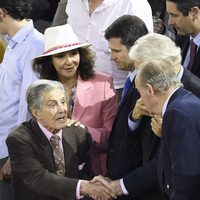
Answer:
(104, 3)
(180, 73)
(47, 133)
(132, 75)
(20, 36)
(166, 102)
(196, 39)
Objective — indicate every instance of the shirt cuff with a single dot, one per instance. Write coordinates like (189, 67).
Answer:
(124, 190)
(132, 124)
(78, 195)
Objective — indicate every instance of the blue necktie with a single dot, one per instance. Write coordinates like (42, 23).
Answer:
(126, 87)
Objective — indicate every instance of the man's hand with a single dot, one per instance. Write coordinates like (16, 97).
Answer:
(71, 122)
(158, 25)
(156, 125)
(139, 110)
(114, 186)
(5, 171)
(96, 190)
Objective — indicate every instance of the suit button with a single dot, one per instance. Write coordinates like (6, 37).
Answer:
(167, 186)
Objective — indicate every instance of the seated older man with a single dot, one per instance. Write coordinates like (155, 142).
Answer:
(48, 159)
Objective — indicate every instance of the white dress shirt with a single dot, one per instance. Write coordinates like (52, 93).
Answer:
(92, 28)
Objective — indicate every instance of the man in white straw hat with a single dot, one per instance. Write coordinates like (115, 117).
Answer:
(92, 100)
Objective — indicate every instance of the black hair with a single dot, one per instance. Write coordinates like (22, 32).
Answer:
(184, 6)
(17, 9)
(127, 27)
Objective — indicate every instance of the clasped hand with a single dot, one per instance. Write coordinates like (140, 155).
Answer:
(111, 189)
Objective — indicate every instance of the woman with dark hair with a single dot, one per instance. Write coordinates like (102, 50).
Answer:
(92, 100)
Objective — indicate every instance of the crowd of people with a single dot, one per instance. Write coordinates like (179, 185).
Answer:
(100, 100)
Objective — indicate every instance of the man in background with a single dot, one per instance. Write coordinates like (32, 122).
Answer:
(90, 18)
(16, 74)
(184, 16)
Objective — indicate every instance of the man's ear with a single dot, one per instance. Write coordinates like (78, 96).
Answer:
(195, 11)
(150, 90)
(3, 13)
(36, 113)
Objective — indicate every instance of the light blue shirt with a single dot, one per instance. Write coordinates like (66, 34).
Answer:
(15, 76)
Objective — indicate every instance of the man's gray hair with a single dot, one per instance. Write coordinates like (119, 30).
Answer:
(158, 74)
(155, 46)
(37, 90)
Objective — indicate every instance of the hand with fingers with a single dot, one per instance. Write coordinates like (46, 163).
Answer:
(5, 171)
(156, 125)
(114, 186)
(71, 122)
(96, 190)
(139, 110)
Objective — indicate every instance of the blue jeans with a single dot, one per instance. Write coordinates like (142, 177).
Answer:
(5, 185)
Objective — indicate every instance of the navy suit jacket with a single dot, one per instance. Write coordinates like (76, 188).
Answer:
(139, 147)
(183, 42)
(126, 150)
(177, 168)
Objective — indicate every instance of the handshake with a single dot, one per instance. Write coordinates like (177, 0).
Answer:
(101, 188)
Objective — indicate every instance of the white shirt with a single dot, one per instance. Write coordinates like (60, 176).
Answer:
(92, 28)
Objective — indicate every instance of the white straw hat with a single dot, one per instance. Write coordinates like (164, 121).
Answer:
(59, 39)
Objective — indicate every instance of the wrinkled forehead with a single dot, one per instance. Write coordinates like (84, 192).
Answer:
(54, 94)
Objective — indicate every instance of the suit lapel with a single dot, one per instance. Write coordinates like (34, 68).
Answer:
(44, 147)
(81, 91)
(68, 149)
(127, 95)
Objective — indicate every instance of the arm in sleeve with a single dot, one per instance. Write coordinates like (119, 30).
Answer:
(182, 139)
(30, 170)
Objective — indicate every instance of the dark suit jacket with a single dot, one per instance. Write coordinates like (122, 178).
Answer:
(178, 164)
(183, 42)
(33, 168)
(142, 145)
(130, 151)
(119, 133)
(191, 82)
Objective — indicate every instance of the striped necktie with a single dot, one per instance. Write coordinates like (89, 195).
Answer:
(193, 49)
(58, 155)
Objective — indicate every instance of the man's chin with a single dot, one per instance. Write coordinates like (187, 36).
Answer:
(182, 33)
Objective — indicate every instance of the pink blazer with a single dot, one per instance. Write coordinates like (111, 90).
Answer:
(96, 106)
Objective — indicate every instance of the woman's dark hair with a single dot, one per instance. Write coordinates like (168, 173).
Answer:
(45, 69)
(17, 9)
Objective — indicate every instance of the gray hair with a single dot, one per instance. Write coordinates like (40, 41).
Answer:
(37, 90)
(158, 74)
(155, 46)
